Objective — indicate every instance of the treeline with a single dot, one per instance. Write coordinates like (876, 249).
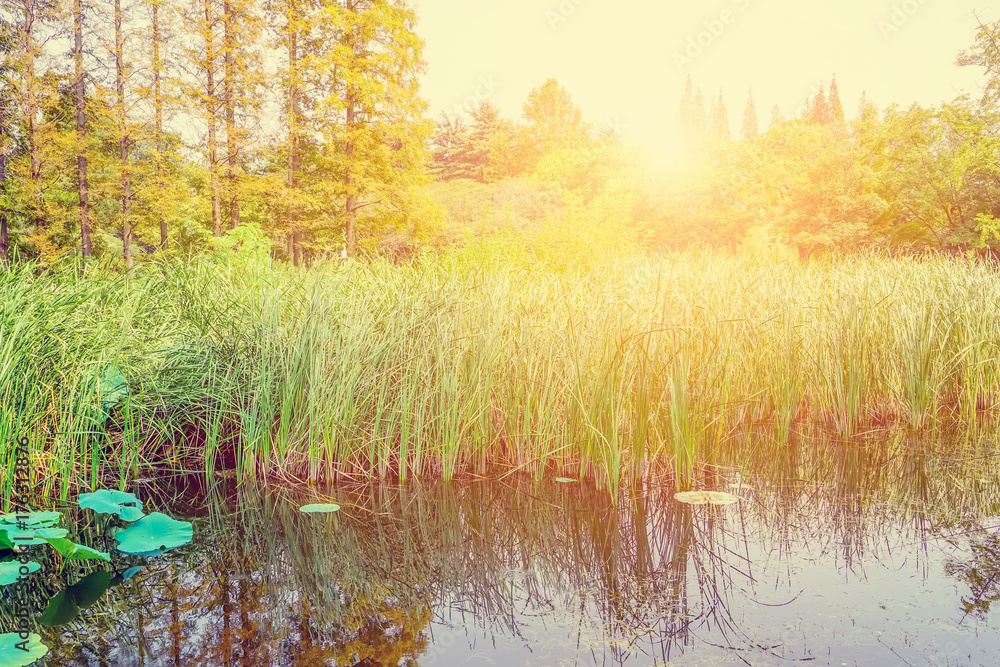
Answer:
(161, 123)
(903, 178)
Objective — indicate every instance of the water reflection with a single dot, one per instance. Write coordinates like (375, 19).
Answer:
(874, 551)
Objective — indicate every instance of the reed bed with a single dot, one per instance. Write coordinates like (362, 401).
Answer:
(453, 366)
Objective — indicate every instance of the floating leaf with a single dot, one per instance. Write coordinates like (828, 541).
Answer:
(131, 572)
(30, 519)
(71, 551)
(112, 386)
(10, 573)
(112, 501)
(705, 497)
(564, 480)
(320, 507)
(17, 652)
(153, 535)
(24, 537)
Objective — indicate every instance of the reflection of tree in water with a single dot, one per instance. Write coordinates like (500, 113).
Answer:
(981, 573)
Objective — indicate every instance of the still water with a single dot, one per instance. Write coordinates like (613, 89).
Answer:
(879, 551)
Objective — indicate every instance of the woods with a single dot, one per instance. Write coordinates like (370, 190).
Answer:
(135, 126)
(185, 119)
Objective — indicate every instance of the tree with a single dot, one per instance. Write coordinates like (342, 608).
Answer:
(720, 119)
(553, 120)
(836, 109)
(81, 129)
(373, 113)
(750, 131)
(818, 111)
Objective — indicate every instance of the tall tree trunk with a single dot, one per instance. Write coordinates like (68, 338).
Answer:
(81, 130)
(229, 46)
(158, 117)
(31, 85)
(293, 131)
(123, 139)
(350, 207)
(210, 103)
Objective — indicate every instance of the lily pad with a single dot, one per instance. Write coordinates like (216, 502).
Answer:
(153, 535)
(30, 519)
(17, 652)
(28, 536)
(10, 573)
(131, 572)
(706, 497)
(320, 507)
(71, 551)
(564, 480)
(111, 388)
(61, 610)
(112, 501)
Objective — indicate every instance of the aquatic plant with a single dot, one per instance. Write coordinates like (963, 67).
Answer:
(449, 367)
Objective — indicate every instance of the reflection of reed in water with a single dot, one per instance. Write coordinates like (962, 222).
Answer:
(525, 564)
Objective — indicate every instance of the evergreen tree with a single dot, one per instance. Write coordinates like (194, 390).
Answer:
(750, 130)
(836, 109)
(698, 120)
(776, 116)
(450, 145)
(685, 115)
(819, 113)
(720, 119)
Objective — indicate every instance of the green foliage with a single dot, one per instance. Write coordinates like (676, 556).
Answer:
(111, 501)
(154, 535)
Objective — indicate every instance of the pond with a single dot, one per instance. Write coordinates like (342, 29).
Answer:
(883, 550)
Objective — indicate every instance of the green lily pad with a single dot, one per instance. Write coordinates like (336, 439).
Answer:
(112, 501)
(10, 573)
(564, 480)
(153, 535)
(110, 388)
(24, 537)
(31, 519)
(71, 551)
(17, 652)
(319, 507)
(5, 543)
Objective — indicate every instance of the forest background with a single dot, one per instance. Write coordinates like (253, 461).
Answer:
(136, 127)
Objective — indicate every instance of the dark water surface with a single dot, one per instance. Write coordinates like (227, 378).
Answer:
(882, 551)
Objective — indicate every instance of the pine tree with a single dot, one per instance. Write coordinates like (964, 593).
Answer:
(819, 113)
(720, 119)
(750, 130)
(698, 120)
(685, 115)
(776, 116)
(835, 107)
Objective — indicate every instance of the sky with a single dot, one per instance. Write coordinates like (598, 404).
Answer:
(625, 62)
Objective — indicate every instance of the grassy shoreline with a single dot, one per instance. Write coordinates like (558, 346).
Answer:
(453, 366)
